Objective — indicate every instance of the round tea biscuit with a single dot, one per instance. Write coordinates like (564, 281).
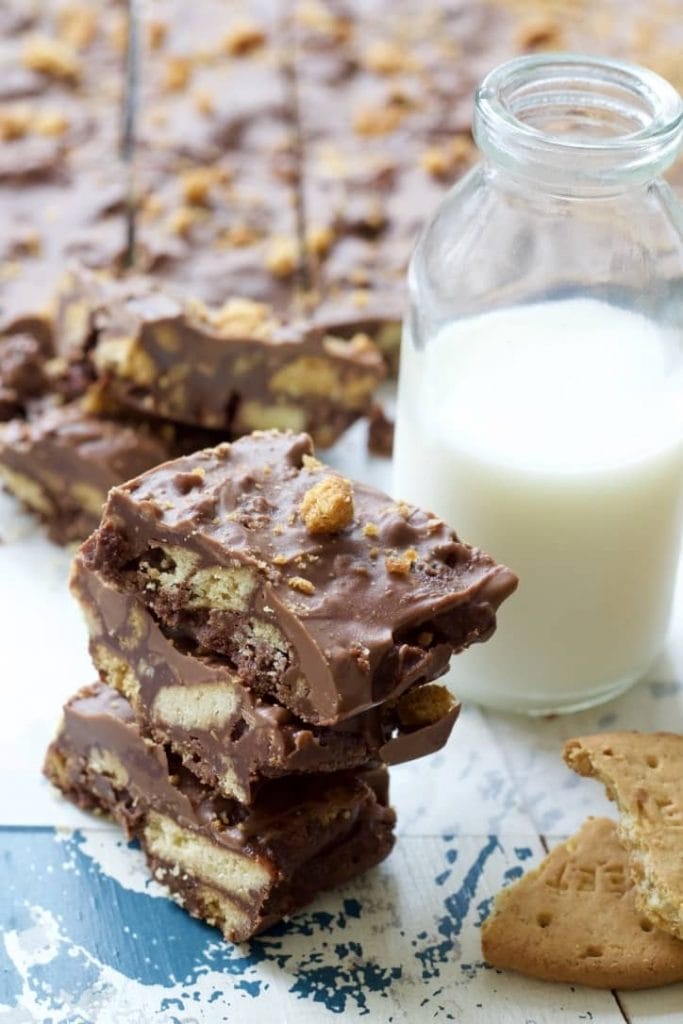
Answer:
(574, 919)
(642, 772)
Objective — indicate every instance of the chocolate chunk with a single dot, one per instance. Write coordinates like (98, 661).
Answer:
(390, 597)
(241, 869)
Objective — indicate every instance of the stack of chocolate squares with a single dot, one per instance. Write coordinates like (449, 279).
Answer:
(267, 636)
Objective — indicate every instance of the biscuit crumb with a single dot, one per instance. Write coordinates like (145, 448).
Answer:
(50, 123)
(156, 34)
(540, 33)
(197, 182)
(181, 220)
(203, 101)
(177, 73)
(386, 58)
(377, 120)
(78, 25)
(371, 530)
(424, 705)
(242, 317)
(445, 159)
(282, 256)
(51, 57)
(319, 240)
(302, 585)
(401, 565)
(327, 507)
(244, 38)
(14, 123)
(311, 463)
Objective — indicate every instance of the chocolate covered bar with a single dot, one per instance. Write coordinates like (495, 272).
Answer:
(324, 595)
(237, 367)
(240, 869)
(62, 462)
(232, 739)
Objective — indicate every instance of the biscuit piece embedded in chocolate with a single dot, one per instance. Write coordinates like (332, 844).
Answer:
(229, 737)
(225, 549)
(238, 868)
(62, 463)
(236, 368)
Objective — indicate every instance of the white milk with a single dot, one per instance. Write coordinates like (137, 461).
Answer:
(552, 436)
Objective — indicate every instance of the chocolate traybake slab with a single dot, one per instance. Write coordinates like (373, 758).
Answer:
(239, 869)
(327, 596)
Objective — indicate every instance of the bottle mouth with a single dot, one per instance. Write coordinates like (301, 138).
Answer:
(578, 121)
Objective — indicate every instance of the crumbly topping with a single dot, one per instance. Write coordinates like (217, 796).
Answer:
(540, 33)
(315, 16)
(203, 101)
(440, 161)
(377, 120)
(312, 464)
(17, 122)
(243, 38)
(51, 57)
(387, 58)
(14, 123)
(241, 317)
(156, 34)
(49, 123)
(180, 222)
(327, 507)
(197, 182)
(78, 25)
(282, 256)
(371, 530)
(239, 235)
(319, 240)
(177, 72)
(401, 564)
(300, 584)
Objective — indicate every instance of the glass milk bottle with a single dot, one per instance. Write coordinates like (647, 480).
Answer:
(540, 402)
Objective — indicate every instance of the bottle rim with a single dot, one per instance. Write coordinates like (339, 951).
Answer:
(620, 122)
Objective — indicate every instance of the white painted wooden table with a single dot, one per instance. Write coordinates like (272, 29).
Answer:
(87, 938)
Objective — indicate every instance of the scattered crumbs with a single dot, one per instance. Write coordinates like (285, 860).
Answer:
(302, 585)
(401, 564)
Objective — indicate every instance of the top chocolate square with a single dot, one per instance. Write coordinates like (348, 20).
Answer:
(322, 593)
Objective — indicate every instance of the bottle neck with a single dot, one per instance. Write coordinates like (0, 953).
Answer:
(578, 126)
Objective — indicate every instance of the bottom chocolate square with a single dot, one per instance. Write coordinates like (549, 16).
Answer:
(240, 869)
